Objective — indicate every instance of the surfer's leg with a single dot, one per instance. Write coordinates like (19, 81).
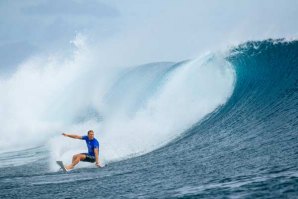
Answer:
(75, 160)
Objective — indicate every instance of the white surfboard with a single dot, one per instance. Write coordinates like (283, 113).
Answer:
(60, 163)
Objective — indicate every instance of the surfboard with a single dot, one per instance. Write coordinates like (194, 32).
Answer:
(60, 163)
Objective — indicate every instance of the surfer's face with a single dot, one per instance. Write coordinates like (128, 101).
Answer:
(91, 135)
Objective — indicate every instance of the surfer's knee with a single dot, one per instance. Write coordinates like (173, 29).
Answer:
(82, 157)
(77, 157)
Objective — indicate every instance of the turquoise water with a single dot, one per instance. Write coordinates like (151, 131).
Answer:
(246, 148)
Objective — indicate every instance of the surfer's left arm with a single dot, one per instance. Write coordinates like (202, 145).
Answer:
(96, 157)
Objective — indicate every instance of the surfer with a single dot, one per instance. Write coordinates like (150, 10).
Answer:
(91, 156)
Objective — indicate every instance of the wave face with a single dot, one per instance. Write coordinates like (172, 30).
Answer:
(249, 146)
(243, 147)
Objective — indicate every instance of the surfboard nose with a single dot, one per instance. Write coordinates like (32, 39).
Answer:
(60, 163)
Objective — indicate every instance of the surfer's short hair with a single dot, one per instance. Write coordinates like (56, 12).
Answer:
(90, 131)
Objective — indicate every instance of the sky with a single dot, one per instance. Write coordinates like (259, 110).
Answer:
(142, 31)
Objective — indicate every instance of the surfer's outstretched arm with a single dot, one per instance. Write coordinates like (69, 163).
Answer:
(72, 136)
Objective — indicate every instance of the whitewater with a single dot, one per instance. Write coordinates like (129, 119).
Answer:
(140, 108)
(222, 124)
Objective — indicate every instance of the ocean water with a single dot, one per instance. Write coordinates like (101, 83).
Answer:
(218, 126)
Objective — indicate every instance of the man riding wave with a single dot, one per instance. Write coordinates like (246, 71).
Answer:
(93, 147)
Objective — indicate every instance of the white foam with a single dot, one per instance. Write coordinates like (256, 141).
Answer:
(42, 99)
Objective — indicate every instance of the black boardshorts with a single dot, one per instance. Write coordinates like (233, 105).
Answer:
(88, 158)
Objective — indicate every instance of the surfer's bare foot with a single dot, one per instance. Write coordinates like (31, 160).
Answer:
(69, 167)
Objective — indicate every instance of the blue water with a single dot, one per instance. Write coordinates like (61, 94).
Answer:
(247, 148)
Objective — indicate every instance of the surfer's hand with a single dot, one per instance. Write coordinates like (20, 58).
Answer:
(97, 164)
(64, 134)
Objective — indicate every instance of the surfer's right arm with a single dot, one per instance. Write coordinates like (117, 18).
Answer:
(72, 136)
